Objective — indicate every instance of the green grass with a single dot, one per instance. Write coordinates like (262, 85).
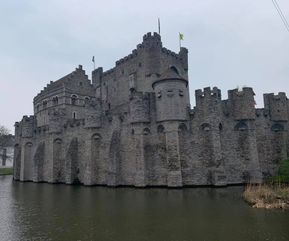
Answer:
(6, 171)
(283, 174)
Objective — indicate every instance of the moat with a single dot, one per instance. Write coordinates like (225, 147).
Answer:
(31, 211)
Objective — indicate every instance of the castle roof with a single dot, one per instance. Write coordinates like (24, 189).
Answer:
(171, 73)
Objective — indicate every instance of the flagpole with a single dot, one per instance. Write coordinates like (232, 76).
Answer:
(93, 62)
(180, 40)
(159, 26)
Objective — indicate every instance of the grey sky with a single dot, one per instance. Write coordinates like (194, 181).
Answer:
(231, 43)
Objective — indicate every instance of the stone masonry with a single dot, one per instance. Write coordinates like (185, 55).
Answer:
(133, 125)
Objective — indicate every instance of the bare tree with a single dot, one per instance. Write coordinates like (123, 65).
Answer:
(5, 140)
(4, 130)
(4, 133)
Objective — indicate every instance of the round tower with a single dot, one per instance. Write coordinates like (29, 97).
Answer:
(172, 96)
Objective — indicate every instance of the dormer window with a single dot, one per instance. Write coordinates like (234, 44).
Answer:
(181, 93)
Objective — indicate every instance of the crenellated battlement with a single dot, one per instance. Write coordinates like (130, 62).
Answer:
(277, 106)
(244, 92)
(170, 53)
(27, 125)
(54, 85)
(208, 92)
(151, 39)
(27, 119)
(208, 104)
(242, 103)
(127, 58)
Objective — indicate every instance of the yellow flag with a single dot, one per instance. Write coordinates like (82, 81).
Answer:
(181, 36)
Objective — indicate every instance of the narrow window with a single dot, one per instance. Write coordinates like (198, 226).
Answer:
(131, 79)
(86, 100)
(170, 93)
(74, 99)
(74, 115)
(55, 100)
(44, 103)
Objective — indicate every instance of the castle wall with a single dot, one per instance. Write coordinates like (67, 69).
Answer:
(133, 126)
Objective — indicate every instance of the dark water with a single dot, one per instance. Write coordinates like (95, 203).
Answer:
(35, 212)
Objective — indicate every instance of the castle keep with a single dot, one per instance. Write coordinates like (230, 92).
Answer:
(133, 125)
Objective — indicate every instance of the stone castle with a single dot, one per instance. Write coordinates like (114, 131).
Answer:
(133, 125)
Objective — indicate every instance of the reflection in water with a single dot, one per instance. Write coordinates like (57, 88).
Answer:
(58, 212)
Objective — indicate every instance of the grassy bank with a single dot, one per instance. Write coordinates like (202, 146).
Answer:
(6, 171)
(267, 196)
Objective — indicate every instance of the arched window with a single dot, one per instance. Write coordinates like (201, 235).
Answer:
(96, 137)
(74, 99)
(206, 127)
(175, 69)
(183, 127)
(277, 128)
(161, 129)
(55, 100)
(146, 131)
(86, 100)
(58, 141)
(241, 126)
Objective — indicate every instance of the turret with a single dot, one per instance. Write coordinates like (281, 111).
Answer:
(207, 97)
(97, 76)
(277, 107)
(242, 103)
(27, 125)
(152, 46)
(183, 54)
(172, 96)
(17, 130)
(152, 41)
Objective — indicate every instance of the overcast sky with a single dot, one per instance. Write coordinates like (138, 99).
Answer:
(231, 43)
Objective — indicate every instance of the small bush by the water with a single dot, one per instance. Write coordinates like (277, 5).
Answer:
(6, 171)
(267, 196)
(283, 174)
